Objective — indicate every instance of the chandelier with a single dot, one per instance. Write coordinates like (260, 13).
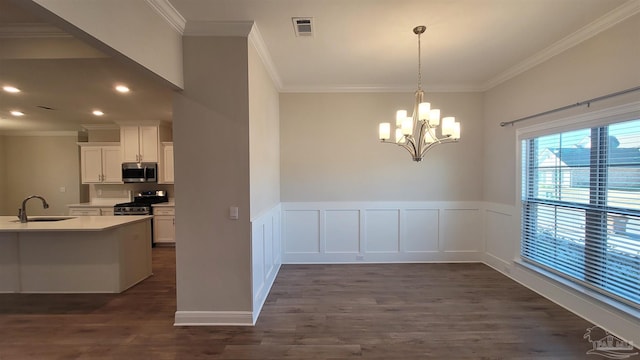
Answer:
(423, 130)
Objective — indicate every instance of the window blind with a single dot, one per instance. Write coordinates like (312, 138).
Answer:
(581, 207)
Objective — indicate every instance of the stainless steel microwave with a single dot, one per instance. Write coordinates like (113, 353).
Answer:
(139, 172)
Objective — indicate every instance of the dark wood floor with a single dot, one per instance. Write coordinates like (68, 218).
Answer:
(390, 311)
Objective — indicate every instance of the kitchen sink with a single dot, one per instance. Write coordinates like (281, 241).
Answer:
(47, 219)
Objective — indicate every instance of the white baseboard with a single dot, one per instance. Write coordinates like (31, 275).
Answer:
(588, 307)
(213, 318)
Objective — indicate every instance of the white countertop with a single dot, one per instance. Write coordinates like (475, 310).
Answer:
(77, 223)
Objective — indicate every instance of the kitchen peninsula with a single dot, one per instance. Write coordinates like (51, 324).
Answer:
(84, 254)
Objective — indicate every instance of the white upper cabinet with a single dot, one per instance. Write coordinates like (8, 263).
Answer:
(112, 165)
(100, 164)
(139, 143)
(166, 165)
(91, 164)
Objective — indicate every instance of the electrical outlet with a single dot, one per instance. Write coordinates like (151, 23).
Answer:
(359, 257)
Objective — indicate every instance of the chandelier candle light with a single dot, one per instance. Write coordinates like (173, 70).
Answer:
(419, 133)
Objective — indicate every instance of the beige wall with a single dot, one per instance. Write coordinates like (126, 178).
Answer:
(41, 165)
(601, 65)
(604, 64)
(3, 176)
(264, 137)
(110, 135)
(211, 139)
(330, 150)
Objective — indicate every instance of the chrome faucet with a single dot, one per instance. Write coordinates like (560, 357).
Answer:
(22, 212)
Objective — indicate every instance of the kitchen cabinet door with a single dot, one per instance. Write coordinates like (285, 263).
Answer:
(167, 164)
(164, 224)
(111, 165)
(101, 165)
(164, 229)
(91, 164)
(129, 143)
(106, 211)
(139, 143)
(148, 143)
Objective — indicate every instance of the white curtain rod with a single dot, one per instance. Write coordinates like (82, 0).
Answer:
(580, 103)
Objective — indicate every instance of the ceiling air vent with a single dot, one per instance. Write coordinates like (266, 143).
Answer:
(303, 26)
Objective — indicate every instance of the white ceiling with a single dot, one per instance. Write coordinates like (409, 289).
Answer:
(369, 44)
(63, 80)
(358, 45)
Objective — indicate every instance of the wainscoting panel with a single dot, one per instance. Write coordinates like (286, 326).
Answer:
(353, 232)
(257, 257)
(461, 230)
(383, 231)
(265, 255)
(422, 228)
(303, 233)
(501, 235)
(342, 231)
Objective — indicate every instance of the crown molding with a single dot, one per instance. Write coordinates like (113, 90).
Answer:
(31, 30)
(607, 21)
(39, 133)
(141, 122)
(255, 37)
(248, 28)
(379, 89)
(169, 13)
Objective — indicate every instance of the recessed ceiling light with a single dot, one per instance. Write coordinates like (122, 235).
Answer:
(122, 88)
(17, 113)
(97, 113)
(10, 89)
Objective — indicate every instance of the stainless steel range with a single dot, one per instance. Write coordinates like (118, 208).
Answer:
(141, 204)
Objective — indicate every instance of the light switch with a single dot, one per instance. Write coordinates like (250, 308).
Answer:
(233, 213)
(62, 189)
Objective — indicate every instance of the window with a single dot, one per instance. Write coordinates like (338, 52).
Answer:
(581, 207)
